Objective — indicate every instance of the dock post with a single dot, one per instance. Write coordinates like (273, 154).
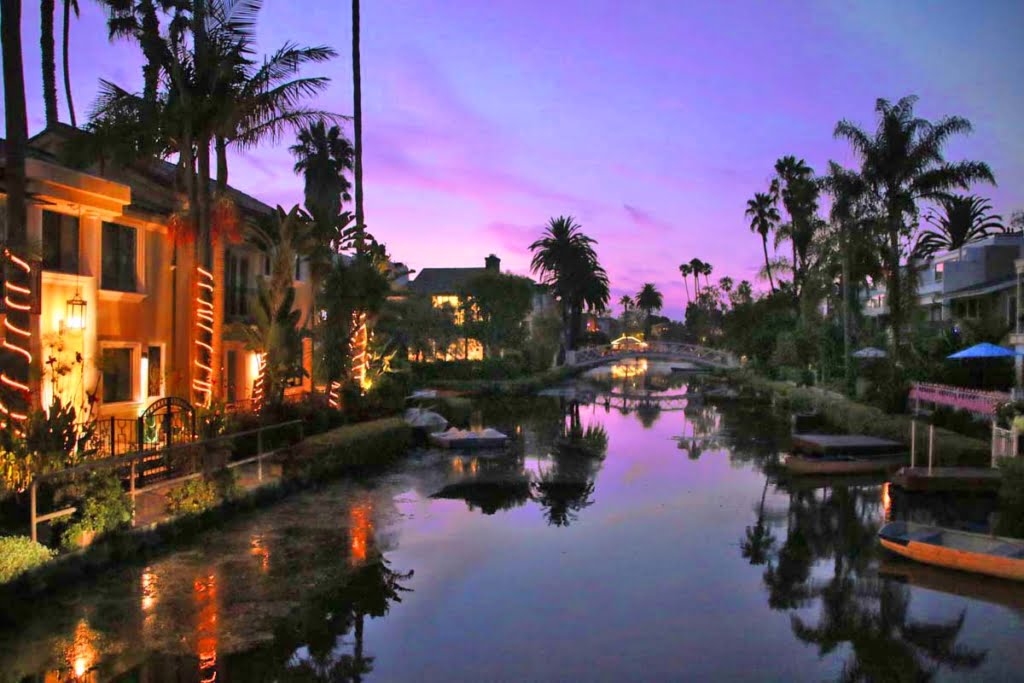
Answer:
(995, 445)
(913, 441)
(931, 446)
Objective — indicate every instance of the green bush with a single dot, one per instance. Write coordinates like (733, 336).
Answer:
(375, 443)
(192, 497)
(510, 367)
(104, 506)
(18, 554)
(1011, 498)
(456, 409)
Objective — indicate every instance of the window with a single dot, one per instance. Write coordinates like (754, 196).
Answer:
(155, 381)
(231, 376)
(117, 375)
(236, 285)
(939, 270)
(119, 258)
(60, 242)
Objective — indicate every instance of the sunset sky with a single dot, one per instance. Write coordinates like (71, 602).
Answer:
(651, 122)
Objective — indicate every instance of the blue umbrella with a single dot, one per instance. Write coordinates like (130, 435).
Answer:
(984, 350)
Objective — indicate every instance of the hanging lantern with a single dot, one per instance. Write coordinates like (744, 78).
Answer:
(74, 313)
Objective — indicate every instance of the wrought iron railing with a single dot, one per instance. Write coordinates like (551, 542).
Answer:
(960, 398)
(700, 354)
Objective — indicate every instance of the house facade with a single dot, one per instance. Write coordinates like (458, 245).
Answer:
(113, 319)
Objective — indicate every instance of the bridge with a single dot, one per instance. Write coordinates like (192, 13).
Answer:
(629, 347)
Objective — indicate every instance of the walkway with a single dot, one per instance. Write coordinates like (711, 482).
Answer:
(655, 350)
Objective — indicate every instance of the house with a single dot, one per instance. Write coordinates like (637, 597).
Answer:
(115, 289)
(444, 287)
(975, 282)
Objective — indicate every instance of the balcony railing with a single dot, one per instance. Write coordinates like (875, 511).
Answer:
(960, 398)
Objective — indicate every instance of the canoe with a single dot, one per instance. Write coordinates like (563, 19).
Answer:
(842, 464)
(962, 550)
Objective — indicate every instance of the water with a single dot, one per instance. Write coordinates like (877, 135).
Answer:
(675, 557)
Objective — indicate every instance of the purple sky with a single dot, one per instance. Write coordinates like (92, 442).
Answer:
(651, 122)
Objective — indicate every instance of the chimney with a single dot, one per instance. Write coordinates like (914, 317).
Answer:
(492, 262)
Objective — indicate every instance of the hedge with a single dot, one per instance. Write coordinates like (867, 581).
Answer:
(523, 386)
(18, 554)
(369, 444)
(951, 449)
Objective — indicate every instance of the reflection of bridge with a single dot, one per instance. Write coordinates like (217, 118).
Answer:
(655, 350)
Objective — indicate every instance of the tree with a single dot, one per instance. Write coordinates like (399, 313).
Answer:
(626, 302)
(964, 219)
(686, 270)
(323, 156)
(69, 5)
(15, 399)
(902, 162)
(565, 259)
(648, 300)
(696, 269)
(357, 119)
(764, 217)
(495, 306)
(795, 185)
(48, 62)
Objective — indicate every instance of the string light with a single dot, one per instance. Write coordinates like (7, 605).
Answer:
(202, 382)
(18, 301)
(258, 389)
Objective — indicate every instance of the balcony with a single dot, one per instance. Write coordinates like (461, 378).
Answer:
(238, 302)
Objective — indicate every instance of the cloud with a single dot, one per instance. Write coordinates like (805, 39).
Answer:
(644, 220)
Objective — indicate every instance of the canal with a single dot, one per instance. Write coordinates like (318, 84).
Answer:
(681, 554)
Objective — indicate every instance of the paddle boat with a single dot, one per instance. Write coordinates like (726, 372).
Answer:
(962, 550)
(466, 438)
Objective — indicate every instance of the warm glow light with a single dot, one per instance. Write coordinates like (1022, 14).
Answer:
(74, 318)
(259, 549)
(149, 593)
(628, 370)
(203, 380)
(886, 500)
(360, 529)
(18, 299)
(204, 592)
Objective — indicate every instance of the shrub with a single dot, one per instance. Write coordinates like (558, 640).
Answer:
(105, 506)
(192, 497)
(509, 367)
(367, 444)
(1011, 498)
(18, 554)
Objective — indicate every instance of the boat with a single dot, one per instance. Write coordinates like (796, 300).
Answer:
(962, 550)
(421, 418)
(842, 464)
(464, 438)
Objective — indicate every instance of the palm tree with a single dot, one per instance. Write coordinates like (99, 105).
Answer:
(764, 217)
(48, 62)
(685, 270)
(323, 156)
(696, 269)
(565, 259)
(902, 162)
(626, 302)
(964, 219)
(726, 284)
(794, 184)
(139, 20)
(69, 5)
(15, 400)
(706, 270)
(648, 300)
(357, 121)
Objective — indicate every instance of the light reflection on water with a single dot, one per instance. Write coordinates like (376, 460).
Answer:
(657, 559)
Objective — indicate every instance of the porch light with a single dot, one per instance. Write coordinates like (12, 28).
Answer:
(74, 316)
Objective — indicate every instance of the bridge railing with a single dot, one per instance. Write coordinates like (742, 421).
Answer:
(591, 354)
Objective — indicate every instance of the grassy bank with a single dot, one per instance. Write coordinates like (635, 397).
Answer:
(518, 386)
(951, 449)
(351, 449)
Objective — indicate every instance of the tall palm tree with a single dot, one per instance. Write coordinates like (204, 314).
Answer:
(69, 5)
(565, 259)
(964, 219)
(686, 270)
(16, 399)
(902, 162)
(626, 302)
(49, 61)
(648, 300)
(357, 120)
(139, 20)
(764, 217)
(696, 269)
(706, 270)
(323, 156)
(794, 185)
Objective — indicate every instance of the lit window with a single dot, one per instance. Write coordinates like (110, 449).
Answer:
(939, 268)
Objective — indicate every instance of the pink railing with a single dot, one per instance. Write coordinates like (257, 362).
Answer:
(971, 400)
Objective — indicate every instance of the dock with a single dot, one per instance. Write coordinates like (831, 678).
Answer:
(943, 479)
(845, 444)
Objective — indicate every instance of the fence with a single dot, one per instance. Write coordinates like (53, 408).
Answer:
(179, 463)
(971, 400)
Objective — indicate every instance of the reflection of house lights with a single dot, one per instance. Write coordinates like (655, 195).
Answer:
(886, 500)
(628, 370)
(360, 528)
(80, 655)
(149, 594)
(258, 548)
(204, 591)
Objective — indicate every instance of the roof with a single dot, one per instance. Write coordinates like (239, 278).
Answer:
(443, 280)
(986, 287)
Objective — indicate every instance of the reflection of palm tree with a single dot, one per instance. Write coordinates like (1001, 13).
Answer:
(758, 540)
(648, 413)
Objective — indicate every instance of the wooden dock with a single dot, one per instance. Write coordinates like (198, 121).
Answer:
(943, 479)
(845, 444)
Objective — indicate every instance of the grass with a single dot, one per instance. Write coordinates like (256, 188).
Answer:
(952, 449)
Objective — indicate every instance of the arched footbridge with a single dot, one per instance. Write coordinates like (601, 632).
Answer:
(700, 356)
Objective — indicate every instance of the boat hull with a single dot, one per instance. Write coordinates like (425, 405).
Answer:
(798, 464)
(976, 562)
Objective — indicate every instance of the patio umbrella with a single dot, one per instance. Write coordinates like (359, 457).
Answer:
(984, 350)
(869, 352)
